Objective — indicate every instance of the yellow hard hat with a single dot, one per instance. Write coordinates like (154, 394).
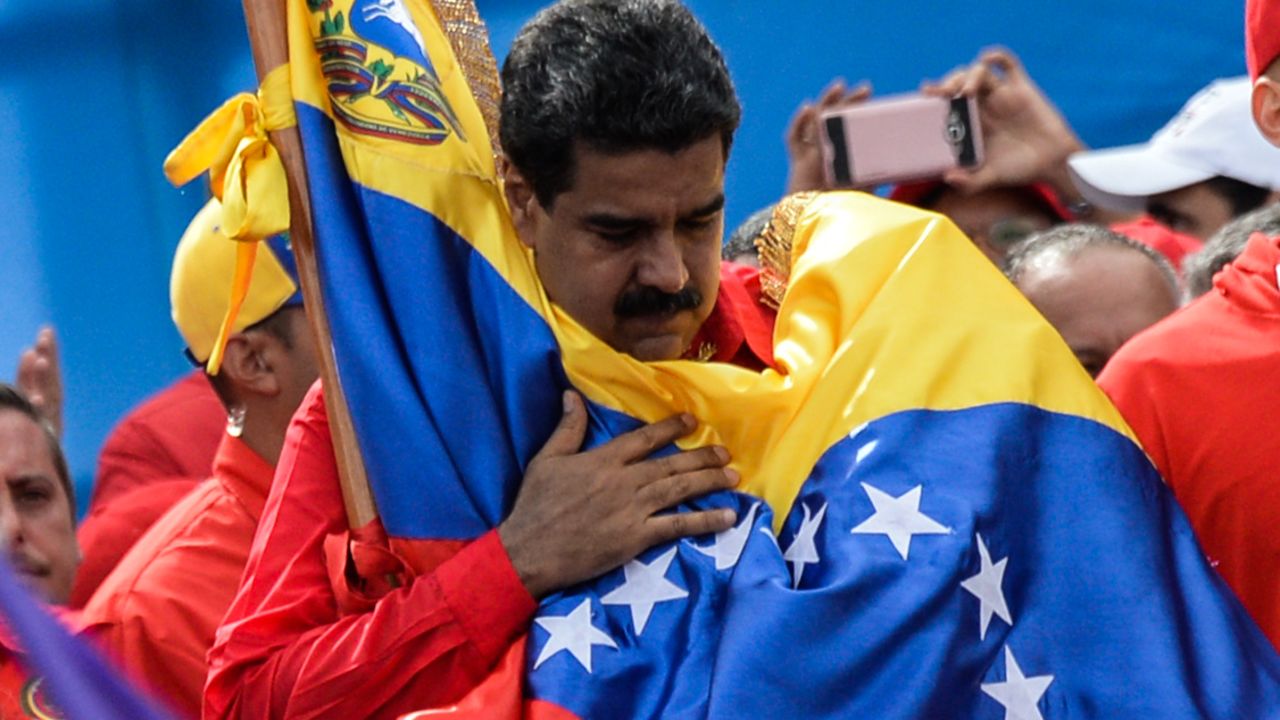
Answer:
(202, 287)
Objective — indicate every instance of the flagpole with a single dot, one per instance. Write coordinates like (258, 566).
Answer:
(267, 21)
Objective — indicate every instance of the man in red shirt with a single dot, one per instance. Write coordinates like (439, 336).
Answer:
(1199, 390)
(618, 186)
(37, 532)
(157, 611)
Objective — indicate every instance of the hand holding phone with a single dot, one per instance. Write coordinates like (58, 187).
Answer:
(899, 139)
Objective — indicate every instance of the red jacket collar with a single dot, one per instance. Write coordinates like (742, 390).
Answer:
(243, 473)
(740, 327)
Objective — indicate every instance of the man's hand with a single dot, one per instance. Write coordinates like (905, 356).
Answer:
(581, 514)
(804, 155)
(1027, 139)
(40, 377)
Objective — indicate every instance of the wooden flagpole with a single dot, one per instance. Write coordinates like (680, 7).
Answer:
(267, 21)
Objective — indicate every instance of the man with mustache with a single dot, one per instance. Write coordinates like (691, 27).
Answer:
(37, 506)
(616, 123)
(37, 528)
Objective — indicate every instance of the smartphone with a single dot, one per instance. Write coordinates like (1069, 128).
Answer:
(899, 139)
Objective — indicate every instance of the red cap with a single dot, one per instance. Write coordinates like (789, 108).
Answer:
(1261, 34)
(1173, 245)
(924, 194)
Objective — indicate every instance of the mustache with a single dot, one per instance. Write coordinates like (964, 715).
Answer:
(27, 565)
(646, 301)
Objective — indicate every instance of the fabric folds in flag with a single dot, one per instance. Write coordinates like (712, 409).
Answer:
(940, 515)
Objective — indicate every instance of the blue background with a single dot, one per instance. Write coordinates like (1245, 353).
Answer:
(97, 93)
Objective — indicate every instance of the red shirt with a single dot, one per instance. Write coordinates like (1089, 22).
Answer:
(22, 695)
(1202, 391)
(153, 457)
(157, 611)
(299, 642)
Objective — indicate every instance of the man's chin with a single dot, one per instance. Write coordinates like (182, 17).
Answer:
(653, 348)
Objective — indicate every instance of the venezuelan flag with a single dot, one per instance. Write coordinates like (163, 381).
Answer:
(940, 515)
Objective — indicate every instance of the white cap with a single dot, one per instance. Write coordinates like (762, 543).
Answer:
(1212, 135)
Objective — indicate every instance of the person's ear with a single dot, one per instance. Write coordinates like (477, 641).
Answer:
(521, 200)
(1266, 107)
(249, 363)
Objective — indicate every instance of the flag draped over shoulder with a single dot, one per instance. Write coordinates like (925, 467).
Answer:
(940, 515)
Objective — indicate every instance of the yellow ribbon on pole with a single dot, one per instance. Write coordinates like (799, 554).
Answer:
(245, 174)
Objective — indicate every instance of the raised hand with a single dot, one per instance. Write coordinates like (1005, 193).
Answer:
(1027, 139)
(40, 377)
(804, 154)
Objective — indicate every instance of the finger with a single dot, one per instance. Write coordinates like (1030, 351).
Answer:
(1003, 60)
(665, 528)
(567, 438)
(640, 444)
(703, 458)
(858, 94)
(40, 372)
(968, 182)
(46, 341)
(832, 94)
(799, 123)
(952, 82)
(26, 370)
(978, 82)
(671, 491)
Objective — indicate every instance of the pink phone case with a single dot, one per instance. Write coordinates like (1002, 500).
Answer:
(898, 139)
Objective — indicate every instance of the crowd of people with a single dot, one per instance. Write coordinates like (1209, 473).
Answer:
(216, 564)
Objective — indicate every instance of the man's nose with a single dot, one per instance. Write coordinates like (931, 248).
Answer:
(663, 265)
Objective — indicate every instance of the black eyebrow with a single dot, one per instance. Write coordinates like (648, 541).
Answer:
(607, 221)
(710, 208)
(610, 222)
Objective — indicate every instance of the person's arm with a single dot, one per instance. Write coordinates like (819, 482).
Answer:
(284, 650)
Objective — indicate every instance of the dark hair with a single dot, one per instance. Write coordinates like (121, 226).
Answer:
(12, 399)
(1067, 241)
(1240, 195)
(743, 240)
(1225, 245)
(616, 75)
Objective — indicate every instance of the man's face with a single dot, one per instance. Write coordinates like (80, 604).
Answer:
(1099, 299)
(35, 513)
(994, 219)
(632, 250)
(1195, 210)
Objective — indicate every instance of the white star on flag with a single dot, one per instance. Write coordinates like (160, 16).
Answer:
(644, 587)
(1019, 695)
(728, 545)
(899, 518)
(804, 548)
(573, 632)
(986, 586)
